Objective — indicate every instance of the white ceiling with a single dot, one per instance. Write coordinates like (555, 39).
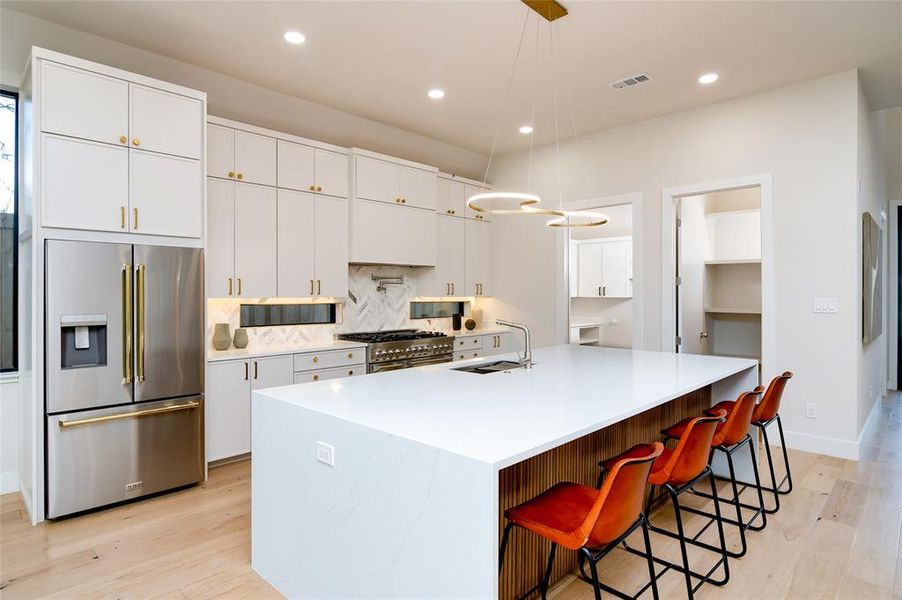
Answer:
(377, 59)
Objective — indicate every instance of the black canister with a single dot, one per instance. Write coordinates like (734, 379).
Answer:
(455, 322)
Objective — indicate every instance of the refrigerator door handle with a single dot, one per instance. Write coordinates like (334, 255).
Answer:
(129, 415)
(127, 342)
(140, 322)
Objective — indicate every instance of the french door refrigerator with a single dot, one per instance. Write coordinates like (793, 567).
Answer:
(124, 355)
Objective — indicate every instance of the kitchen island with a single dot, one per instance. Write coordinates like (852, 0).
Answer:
(424, 461)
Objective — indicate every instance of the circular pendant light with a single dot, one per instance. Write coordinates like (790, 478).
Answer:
(578, 218)
(501, 203)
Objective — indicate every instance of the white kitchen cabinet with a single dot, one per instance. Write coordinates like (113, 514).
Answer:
(166, 194)
(589, 260)
(497, 343)
(418, 187)
(471, 190)
(84, 184)
(390, 182)
(83, 104)
(296, 246)
(255, 158)
(451, 198)
(448, 277)
(331, 246)
(325, 374)
(220, 264)
(478, 252)
(295, 167)
(329, 359)
(271, 371)
(220, 151)
(383, 233)
(228, 409)
(255, 241)
(332, 173)
(164, 122)
(464, 343)
(604, 269)
(613, 269)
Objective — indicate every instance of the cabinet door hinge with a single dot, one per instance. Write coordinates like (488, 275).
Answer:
(679, 340)
(679, 280)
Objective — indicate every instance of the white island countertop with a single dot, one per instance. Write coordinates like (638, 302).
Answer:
(503, 418)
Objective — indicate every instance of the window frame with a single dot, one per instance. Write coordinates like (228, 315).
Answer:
(15, 300)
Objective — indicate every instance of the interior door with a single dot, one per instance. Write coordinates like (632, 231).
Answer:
(166, 195)
(169, 322)
(89, 342)
(165, 122)
(332, 173)
(332, 246)
(296, 248)
(692, 250)
(255, 241)
(220, 238)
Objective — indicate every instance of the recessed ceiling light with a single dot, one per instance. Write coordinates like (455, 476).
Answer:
(436, 94)
(708, 78)
(295, 37)
(526, 129)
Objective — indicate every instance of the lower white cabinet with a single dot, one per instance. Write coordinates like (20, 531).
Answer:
(228, 400)
(474, 346)
(324, 374)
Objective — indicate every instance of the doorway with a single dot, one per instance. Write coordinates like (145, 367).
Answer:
(718, 273)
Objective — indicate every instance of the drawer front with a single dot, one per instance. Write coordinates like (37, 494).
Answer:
(331, 358)
(467, 354)
(496, 343)
(473, 342)
(324, 374)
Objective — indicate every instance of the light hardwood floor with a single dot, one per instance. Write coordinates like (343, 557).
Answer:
(836, 536)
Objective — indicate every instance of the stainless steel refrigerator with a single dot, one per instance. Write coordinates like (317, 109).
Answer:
(124, 372)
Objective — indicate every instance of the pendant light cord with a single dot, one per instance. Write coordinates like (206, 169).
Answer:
(510, 82)
(532, 118)
(557, 137)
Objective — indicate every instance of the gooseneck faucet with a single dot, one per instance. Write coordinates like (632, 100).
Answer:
(526, 361)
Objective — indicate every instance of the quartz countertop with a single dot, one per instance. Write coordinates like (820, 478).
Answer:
(279, 349)
(503, 418)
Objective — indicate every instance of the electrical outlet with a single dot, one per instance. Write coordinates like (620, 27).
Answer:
(810, 410)
(825, 306)
(325, 453)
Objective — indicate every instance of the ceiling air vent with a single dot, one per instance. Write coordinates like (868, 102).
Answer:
(622, 84)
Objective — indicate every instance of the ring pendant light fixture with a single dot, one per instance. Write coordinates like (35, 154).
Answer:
(528, 203)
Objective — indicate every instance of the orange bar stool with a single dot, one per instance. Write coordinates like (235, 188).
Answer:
(677, 471)
(729, 438)
(766, 412)
(588, 520)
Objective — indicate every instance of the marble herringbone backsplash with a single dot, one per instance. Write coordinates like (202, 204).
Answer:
(373, 311)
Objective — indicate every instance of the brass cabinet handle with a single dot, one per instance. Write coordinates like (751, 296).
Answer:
(403, 200)
(140, 318)
(127, 342)
(122, 217)
(240, 175)
(230, 286)
(475, 341)
(316, 378)
(123, 139)
(256, 364)
(246, 374)
(239, 286)
(136, 141)
(311, 287)
(351, 372)
(136, 217)
(312, 188)
(319, 189)
(319, 287)
(130, 415)
(452, 288)
(316, 359)
(231, 174)
(350, 355)
(448, 288)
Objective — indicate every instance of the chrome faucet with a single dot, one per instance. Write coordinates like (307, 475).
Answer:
(526, 360)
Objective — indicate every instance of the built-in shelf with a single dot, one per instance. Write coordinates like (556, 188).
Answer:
(733, 261)
(733, 311)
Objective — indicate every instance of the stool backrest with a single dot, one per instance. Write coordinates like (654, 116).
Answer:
(621, 496)
(690, 456)
(740, 418)
(769, 406)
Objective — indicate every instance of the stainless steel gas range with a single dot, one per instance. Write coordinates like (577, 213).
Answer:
(403, 348)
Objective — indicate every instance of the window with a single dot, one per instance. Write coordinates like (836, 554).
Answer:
(8, 236)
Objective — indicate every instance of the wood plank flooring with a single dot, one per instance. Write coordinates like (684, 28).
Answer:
(836, 536)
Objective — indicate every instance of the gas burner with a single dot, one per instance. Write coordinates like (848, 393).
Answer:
(402, 348)
(392, 335)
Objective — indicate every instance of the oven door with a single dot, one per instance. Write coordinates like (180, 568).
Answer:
(387, 366)
(432, 360)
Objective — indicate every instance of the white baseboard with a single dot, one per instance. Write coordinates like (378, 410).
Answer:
(9, 482)
(871, 421)
(817, 444)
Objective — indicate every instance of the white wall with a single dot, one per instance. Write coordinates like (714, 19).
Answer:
(229, 97)
(888, 124)
(805, 136)
(9, 430)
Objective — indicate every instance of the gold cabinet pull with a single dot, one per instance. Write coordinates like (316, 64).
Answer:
(311, 287)
(239, 286)
(312, 188)
(230, 286)
(403, 200)
(122, 217)
(351, 372)
(240, 175)
(127, 342)
(136, 141)
(130, 415)
(140, 318)
(319, 189)
(452, 288)
(256, 364)
(316, 359)
(246, 374)
(350, 355)
(319, 287)
(136, 217)
(316, 378)
(123, 139)
(231, 174)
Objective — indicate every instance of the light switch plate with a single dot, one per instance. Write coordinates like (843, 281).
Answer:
(825, 306)
(325, 453)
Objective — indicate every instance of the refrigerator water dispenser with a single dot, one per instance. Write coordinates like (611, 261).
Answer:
(83, 340)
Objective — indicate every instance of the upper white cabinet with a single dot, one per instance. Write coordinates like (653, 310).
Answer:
(451, 198)
(331, 246)
(220, 264)
(393, 235)
(471, 190)
(604, 268)
(255, 241)
(384, 181)
(241, 155)
(450, 261)
(118, 152)
(309, 169)
(478, 268)
(82, 104)
(165, 122)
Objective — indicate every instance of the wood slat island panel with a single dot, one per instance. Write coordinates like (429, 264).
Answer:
(576, 461)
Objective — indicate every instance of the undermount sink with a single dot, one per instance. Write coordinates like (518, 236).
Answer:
(491, 367)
